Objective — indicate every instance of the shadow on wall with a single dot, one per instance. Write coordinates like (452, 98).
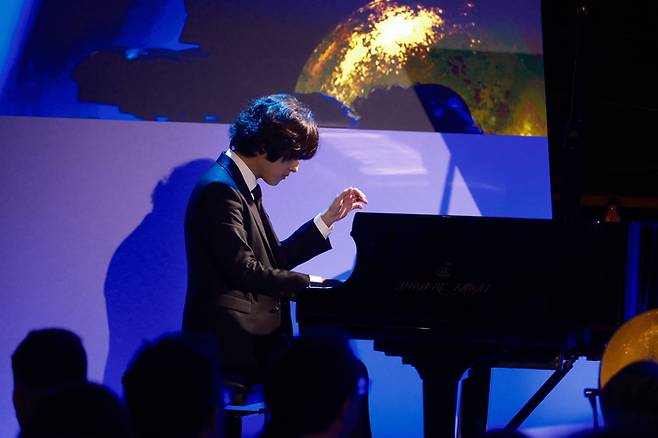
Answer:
(147, 277)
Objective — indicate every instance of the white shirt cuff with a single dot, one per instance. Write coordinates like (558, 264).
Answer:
(322, 227)
(316, 279)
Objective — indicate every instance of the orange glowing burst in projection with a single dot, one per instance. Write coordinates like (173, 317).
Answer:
(375, 48)
(385, 45)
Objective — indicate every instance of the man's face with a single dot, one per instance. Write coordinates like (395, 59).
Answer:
(275, 172)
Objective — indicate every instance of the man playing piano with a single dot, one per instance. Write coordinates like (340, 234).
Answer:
(239, 274)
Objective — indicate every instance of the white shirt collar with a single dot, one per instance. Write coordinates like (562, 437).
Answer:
(246, 172)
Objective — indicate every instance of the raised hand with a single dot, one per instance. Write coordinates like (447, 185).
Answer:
(346, 201)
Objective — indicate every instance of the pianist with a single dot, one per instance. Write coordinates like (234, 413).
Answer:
(239, 274)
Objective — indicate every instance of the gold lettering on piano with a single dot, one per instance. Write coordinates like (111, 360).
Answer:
(469, 288)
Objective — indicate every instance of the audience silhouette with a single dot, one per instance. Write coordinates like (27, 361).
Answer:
(79, 410)
(316, 388)
(629, 401)
(44, 361)
(172, 389)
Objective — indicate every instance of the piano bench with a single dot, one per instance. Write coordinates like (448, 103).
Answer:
(244, 421)
(244, 410)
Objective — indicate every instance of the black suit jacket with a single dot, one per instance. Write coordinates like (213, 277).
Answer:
(239, 278)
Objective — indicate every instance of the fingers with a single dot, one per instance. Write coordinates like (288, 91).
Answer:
(349, 199)
(354, 206)
(360, 195)
(354, 194)
(351, 196)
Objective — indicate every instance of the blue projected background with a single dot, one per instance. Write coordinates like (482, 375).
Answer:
(429, 107)
(449, 66)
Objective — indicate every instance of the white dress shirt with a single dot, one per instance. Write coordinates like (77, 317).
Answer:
(250, 179)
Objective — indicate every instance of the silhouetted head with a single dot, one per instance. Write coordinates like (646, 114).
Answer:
(81, 410)
(629, 401)
(314, 386)
(172, 388)
(45, 360)
(279, 126)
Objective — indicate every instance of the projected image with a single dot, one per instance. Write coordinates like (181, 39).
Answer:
(386, 55)
(448, 66)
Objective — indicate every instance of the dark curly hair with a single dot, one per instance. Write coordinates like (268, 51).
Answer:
(280, 126)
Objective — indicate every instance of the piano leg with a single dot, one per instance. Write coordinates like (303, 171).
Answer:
(439, 406)
(440, 384)
(441, 370)
(474, 404)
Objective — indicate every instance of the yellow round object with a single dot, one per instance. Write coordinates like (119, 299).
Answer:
(636, 340)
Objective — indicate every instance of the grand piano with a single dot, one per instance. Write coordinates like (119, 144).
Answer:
(450, 294)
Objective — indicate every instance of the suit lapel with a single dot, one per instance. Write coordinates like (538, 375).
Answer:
(269, 231)
(232, 169)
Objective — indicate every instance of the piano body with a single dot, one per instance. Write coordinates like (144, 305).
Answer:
(450, 294)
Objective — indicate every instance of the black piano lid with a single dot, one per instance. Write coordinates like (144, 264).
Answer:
(483, 278)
